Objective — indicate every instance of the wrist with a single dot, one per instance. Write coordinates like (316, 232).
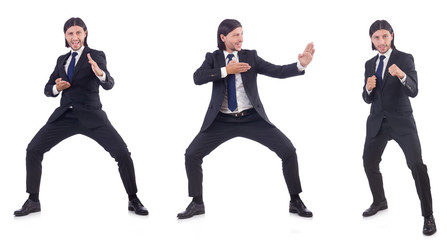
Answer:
(99, 73)
(227, 70)
(300, 66)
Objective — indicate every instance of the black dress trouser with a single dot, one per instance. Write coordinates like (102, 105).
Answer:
(410, 145)
(66, 126)
(252, 126)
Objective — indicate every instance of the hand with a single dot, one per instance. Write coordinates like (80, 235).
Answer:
(371, 83)
(61, 84)
(98, 72)
(394, 70)
(306, 57)
(234, 67)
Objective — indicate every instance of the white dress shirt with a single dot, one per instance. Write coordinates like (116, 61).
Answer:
(79, 51)
(243, 103)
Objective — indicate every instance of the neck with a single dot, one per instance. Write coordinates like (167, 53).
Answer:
(79, 49)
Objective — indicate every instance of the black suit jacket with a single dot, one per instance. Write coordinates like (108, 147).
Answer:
(83, 95)
(210, 72)
(392, 100)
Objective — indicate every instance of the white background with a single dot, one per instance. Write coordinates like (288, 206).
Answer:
(153, 48)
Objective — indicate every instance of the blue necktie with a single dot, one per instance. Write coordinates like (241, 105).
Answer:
(71, 66)
(380, 71)
(231, 84)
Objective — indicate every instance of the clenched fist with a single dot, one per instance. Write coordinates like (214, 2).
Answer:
(394, 70)
(371, 83)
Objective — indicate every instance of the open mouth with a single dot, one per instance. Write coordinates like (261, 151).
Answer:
(75, 44)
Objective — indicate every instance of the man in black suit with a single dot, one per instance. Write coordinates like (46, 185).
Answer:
(390, 78)
(236, 110)
(78, 75)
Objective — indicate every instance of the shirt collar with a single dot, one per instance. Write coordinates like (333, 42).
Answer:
(226, 54)
(79, 51)
(387, 54)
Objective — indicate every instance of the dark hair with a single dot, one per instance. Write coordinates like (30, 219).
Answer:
(379, 25)
(75, 22)
(225, 27)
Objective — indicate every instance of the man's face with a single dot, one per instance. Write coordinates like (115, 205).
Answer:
(233, 40)
(75, 37)
(382, 40)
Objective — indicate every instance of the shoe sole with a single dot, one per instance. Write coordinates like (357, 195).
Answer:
(301, 215)
(196, 213)
(380, 209)
(429, 233)
(138, 213)
(32, 211)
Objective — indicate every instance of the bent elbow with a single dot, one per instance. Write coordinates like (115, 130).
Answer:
(198, 80)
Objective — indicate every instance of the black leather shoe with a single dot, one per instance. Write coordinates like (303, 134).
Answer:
(375, 208)
(192, 210)
(136, 206)
(299, 207)
(429, 226)
(28, 207)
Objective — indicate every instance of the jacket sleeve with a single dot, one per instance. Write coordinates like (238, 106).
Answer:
(411, 83)
(207, 72)
(368, 98)
(51, 82)
(276, 71)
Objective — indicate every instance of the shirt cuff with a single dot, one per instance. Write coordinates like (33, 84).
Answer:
(103, 77)
(403, 80)
(223, 72)
(369, 92)
(55, 91)
(300, 67)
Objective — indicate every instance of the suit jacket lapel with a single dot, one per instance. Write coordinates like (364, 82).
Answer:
(391, 61)
(243, 58)
(81, 61)
(62, 67)
(373, 65)
(221, 59)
